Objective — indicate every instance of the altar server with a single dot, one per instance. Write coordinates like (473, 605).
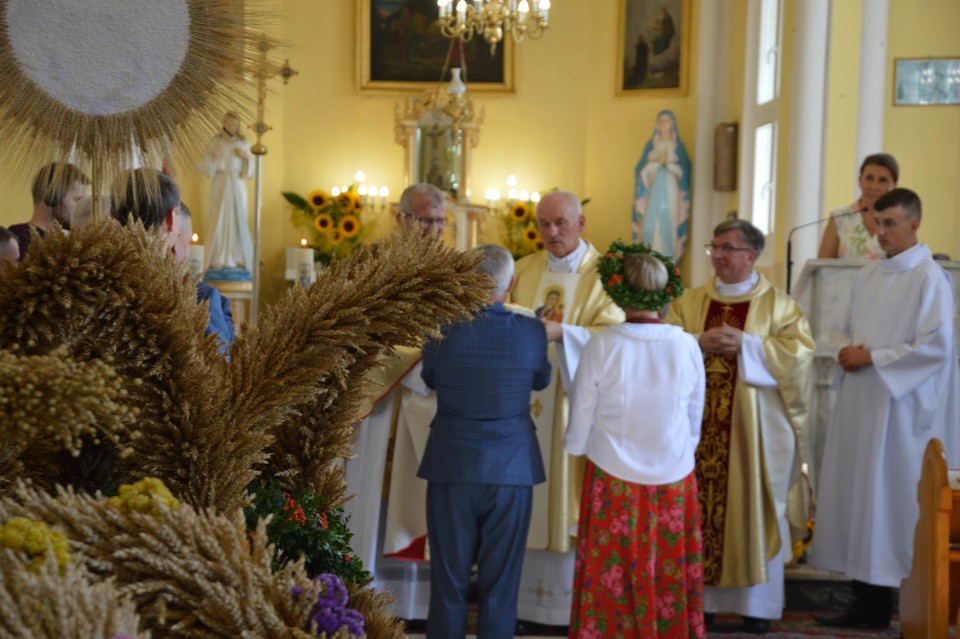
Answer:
(899, 388)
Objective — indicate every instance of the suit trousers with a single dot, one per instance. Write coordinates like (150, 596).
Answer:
(486, 524)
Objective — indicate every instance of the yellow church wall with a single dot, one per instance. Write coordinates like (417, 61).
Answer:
(926, 139)
(564, 126)
(840, 141)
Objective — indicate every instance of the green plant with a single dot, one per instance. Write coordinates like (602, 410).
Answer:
(302, 526)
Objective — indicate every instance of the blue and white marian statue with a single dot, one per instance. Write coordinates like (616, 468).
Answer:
(661, 201)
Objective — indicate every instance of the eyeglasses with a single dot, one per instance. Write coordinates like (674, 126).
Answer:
(425, 222)
(723, 249)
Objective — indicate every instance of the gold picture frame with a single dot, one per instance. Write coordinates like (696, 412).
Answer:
(653, 48)
(400, 49)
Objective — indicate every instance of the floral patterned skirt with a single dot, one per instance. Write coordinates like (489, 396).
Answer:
(638, 568)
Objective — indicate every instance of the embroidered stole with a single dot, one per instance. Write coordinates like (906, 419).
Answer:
(713, 453)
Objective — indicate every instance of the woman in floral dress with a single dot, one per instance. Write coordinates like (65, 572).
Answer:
(636, 411)
(849, 235)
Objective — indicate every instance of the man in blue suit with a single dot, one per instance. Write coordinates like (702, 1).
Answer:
(482, 458)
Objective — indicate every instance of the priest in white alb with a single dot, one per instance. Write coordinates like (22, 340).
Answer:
(568, 266)
(898, 388)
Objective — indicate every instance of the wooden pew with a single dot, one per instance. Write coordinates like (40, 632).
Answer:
(930, 596)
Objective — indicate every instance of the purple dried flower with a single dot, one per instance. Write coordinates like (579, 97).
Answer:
(354, 621)
(330, 612)
(334, 591)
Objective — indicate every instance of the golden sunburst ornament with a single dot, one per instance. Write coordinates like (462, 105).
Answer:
(112, 85)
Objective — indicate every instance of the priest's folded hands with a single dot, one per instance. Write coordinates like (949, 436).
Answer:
(723, 339)
(853, 358)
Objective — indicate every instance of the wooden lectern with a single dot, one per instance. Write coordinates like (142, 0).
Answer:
(931, 594)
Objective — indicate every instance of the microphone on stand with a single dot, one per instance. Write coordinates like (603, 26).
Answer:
(814, 223)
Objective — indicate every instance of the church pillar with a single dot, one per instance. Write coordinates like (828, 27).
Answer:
(708, 205)
(873, 76)
(804, 165)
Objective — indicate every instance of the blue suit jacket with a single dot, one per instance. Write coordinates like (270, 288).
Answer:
(221, 318)
(483, 371)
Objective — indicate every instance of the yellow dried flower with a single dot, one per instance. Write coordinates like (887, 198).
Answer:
(147, 496)
(34, 538)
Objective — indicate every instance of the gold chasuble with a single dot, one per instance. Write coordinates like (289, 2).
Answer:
(749, 449)
(588, 306)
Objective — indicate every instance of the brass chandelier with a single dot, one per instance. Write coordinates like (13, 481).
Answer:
(493, 19)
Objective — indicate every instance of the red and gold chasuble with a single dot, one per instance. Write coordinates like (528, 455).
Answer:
(713, 453)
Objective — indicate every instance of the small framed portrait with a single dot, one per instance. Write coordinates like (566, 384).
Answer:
(653, 51)
(400, 49)
(927, 81)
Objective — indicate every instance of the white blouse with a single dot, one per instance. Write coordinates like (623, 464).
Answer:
(637, 403)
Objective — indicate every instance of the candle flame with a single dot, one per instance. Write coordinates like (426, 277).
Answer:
(195, 238)
(303, 242)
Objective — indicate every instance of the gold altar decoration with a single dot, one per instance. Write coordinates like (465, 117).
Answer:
(188, 68)
(438, 129)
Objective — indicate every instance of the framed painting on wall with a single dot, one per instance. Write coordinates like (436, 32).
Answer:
(926, 81)
(400, 48)
(653, 47)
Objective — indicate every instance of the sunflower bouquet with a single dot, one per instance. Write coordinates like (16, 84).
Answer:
(333, 224)
(518, 225)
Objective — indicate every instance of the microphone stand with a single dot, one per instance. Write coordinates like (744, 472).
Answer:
(804, 225)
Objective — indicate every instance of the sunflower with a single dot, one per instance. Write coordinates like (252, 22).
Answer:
(349, 225)
(531, 234)
(318, 199)
(323, 223)
(519, 212)
(349, 201)
(539, 245)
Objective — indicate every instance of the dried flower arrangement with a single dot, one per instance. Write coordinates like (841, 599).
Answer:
(282, 408)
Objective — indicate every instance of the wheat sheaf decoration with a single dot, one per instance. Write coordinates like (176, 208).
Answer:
(106, 308)
(122, 84)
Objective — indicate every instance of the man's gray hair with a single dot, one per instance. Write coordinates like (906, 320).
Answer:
(435, 194)
(571, 200)
(750, 234)
(498, 264)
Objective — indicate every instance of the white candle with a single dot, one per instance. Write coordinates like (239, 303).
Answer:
(545, 9)
(384, 191)
(195, 260)
(462, 11)
(305, 269)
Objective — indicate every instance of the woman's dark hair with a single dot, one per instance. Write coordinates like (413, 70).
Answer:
(885, 160)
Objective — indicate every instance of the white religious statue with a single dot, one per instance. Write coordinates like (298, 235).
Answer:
(229, 162)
